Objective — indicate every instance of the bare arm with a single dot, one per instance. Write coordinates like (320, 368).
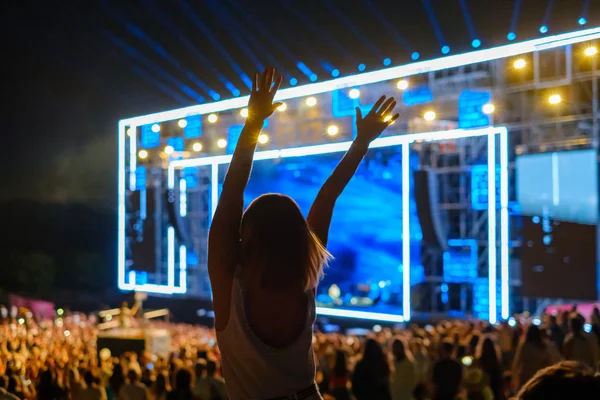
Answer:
(368, 129)
(224, 235)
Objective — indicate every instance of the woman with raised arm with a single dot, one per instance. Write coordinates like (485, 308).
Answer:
(265, 263)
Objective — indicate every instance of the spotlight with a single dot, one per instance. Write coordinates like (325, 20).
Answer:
(476, 43)
(169, 150)
(387, 61)
(445, 49)
(143, 154)
(282, 107)
(335, 73)
(582, 21)
(236, 92)
(429, 116)
(554, 99)
(244, 112)
(129, 132)
(591, 51)
(519, 64)
(311, 101)
(543, 29)
(221, 143)
(156, 128)
(402, 84)
(313, 77)
(182, 123)
(415, 56)
(332, 130)
(488, 108)
(354, 93)
(511, 36)
(212, 118)
(361, 67)
(293, 81)
(197, 147)
(216, 97)
(263, 138)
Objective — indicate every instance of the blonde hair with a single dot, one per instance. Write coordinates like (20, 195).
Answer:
(279, 250)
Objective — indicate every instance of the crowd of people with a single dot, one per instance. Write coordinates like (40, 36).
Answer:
(58, 359)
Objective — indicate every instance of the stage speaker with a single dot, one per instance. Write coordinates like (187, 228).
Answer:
(428, 210)
(175, 219)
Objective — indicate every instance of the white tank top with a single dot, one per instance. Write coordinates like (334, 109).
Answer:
(255, 371)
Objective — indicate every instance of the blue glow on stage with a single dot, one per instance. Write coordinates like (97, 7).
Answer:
(362, 67)
(511, 36)
(543, 29)
(582, 21)
(366, 236)
(415, 56)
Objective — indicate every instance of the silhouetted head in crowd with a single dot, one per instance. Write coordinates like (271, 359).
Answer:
(279, 250)
(565, 380)
(576, 326)
(534, 337)
(183, 380)
(340, 368)
(399, 350)
(132, 376)
(375, 359)
(200, 368)
(211, 368)
(446, 349)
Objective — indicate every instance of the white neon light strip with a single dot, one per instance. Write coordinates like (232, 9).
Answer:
(504, 226)
(132, 157)
(170, 178)
(183, 267)
(406, 231)
(121, 210)
(171, 257)
(334, 312)
(555, 180)
(401, 71)
(492, 226)
(182, 197)
(132, 278)
(327, 148)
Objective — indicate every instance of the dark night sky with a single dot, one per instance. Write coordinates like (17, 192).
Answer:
(67, 81)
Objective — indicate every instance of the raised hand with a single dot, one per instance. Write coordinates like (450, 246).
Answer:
(375, 122)
(260, 105)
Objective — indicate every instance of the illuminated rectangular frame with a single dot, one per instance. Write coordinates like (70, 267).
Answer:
(478, 56)
(404, 141)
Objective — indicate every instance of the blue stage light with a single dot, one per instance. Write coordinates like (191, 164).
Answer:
(476, 43)
(236, 93)
(335, 73)
(582, 21)
(445, 49)
(415, 56)
(387, 61)
(216, 97)
(362, 67)
(511, 36)
(293, 81)
(543, 29)
(313, 77)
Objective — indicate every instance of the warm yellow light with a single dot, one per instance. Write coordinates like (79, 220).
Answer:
(156, 128)
(263, 138)
(212, 118)
(591, 51)
(488, 108)
(182, 123)
(520, 63)
(332, 130)
(129, 132)
(221, 143)
(402, 84)
(554, 99)
(429, 116)
(169, 150)
(282, 107)
(311, 102)
(197, 147)
(354, 93)
(387, 118)
(244, 112)
(143, 154)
